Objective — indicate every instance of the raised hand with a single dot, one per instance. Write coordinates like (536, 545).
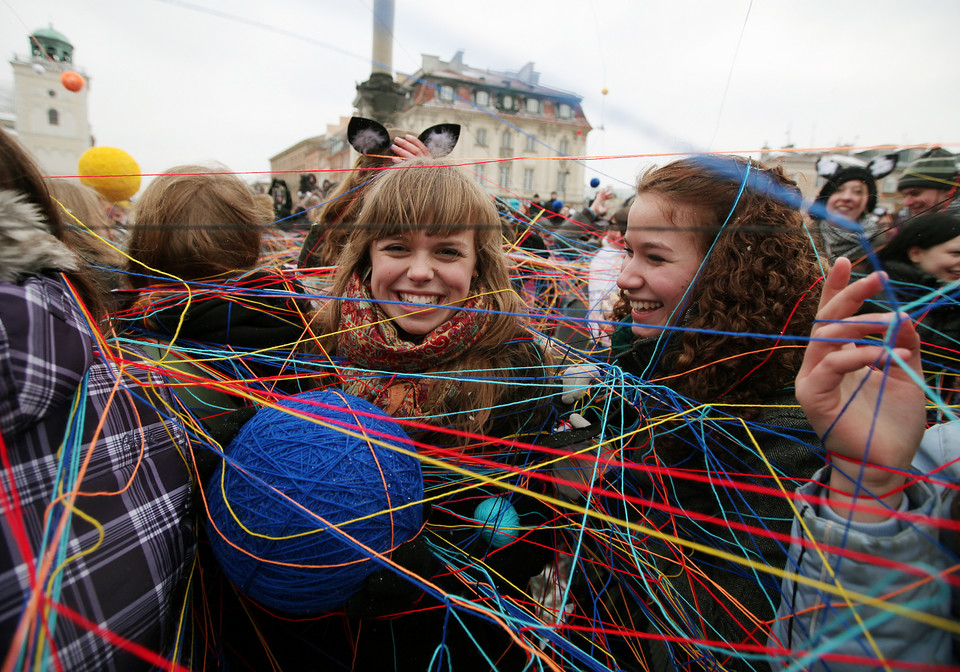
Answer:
(407, 148)
(866, 408)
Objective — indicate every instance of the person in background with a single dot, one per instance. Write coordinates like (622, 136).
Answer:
(846, 200)
(929, 183)
(922, 262)
(197, 284)
(602, 280)
(88, 231)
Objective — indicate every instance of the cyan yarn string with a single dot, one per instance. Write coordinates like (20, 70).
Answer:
(288, 559)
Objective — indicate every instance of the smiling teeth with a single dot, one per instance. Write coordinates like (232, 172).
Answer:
(645, 306)
(419, 299)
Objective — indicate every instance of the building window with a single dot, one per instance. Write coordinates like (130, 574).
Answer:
(531, 144)
(53, 117)
(336, 145)
(564, 111)
(505, 175)
(482, 98)
(563, 147)
(508, 103)
(446, 94)
(482, 137)
(561, 183)
(528, 179)
(532, 105)
(481, 173)
(506, 140)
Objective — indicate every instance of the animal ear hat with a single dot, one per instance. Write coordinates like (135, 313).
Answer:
(371, 137)
(839, 169)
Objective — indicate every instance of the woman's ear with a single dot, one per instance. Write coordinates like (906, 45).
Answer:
(915, 254)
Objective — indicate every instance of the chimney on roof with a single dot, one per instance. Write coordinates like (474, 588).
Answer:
(528, 75)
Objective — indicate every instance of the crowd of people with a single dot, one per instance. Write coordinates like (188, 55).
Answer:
(720, 418)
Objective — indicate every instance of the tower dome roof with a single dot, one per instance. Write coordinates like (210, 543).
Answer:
(48, 42)
(50, 33)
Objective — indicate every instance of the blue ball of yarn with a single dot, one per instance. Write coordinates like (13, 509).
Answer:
(594, 182)
(499, 519)
(279, 552)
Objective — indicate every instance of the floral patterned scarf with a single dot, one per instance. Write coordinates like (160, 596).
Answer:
(376, 353)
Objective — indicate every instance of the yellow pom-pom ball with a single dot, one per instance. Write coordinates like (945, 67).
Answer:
(606, 90)
(98, 162)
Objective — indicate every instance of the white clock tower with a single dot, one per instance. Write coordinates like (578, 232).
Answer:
(50, 120)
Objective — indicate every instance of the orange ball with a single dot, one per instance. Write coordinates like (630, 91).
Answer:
(72, 81)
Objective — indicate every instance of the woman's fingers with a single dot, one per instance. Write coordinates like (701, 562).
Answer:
(409, 147)
(836, 302)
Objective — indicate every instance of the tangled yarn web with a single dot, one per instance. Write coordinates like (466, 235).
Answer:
(636, 557)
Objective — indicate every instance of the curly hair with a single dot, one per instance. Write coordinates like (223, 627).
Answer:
(442, 199)
(760, 276)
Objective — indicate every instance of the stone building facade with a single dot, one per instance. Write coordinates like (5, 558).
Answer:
(515, 132)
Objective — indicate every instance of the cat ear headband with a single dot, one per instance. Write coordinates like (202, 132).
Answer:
(879, 167)
(370, 137)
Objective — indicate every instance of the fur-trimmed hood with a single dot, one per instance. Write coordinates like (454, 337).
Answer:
(26, 245)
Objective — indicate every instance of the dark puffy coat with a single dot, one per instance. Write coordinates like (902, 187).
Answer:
(669, 587)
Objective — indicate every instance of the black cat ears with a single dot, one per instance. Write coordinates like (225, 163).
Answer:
(370, 137)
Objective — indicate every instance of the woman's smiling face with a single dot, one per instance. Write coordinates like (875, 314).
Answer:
(662, 260)
(424, 272)
(941, 261)
(850, 199)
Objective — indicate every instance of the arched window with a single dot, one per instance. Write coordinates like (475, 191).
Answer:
(53, 117)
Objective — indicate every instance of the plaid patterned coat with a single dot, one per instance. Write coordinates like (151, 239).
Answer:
(70, 420)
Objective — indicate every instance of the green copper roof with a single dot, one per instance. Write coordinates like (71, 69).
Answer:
(50, 34)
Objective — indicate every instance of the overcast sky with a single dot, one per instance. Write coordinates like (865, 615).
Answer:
(236, 82)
